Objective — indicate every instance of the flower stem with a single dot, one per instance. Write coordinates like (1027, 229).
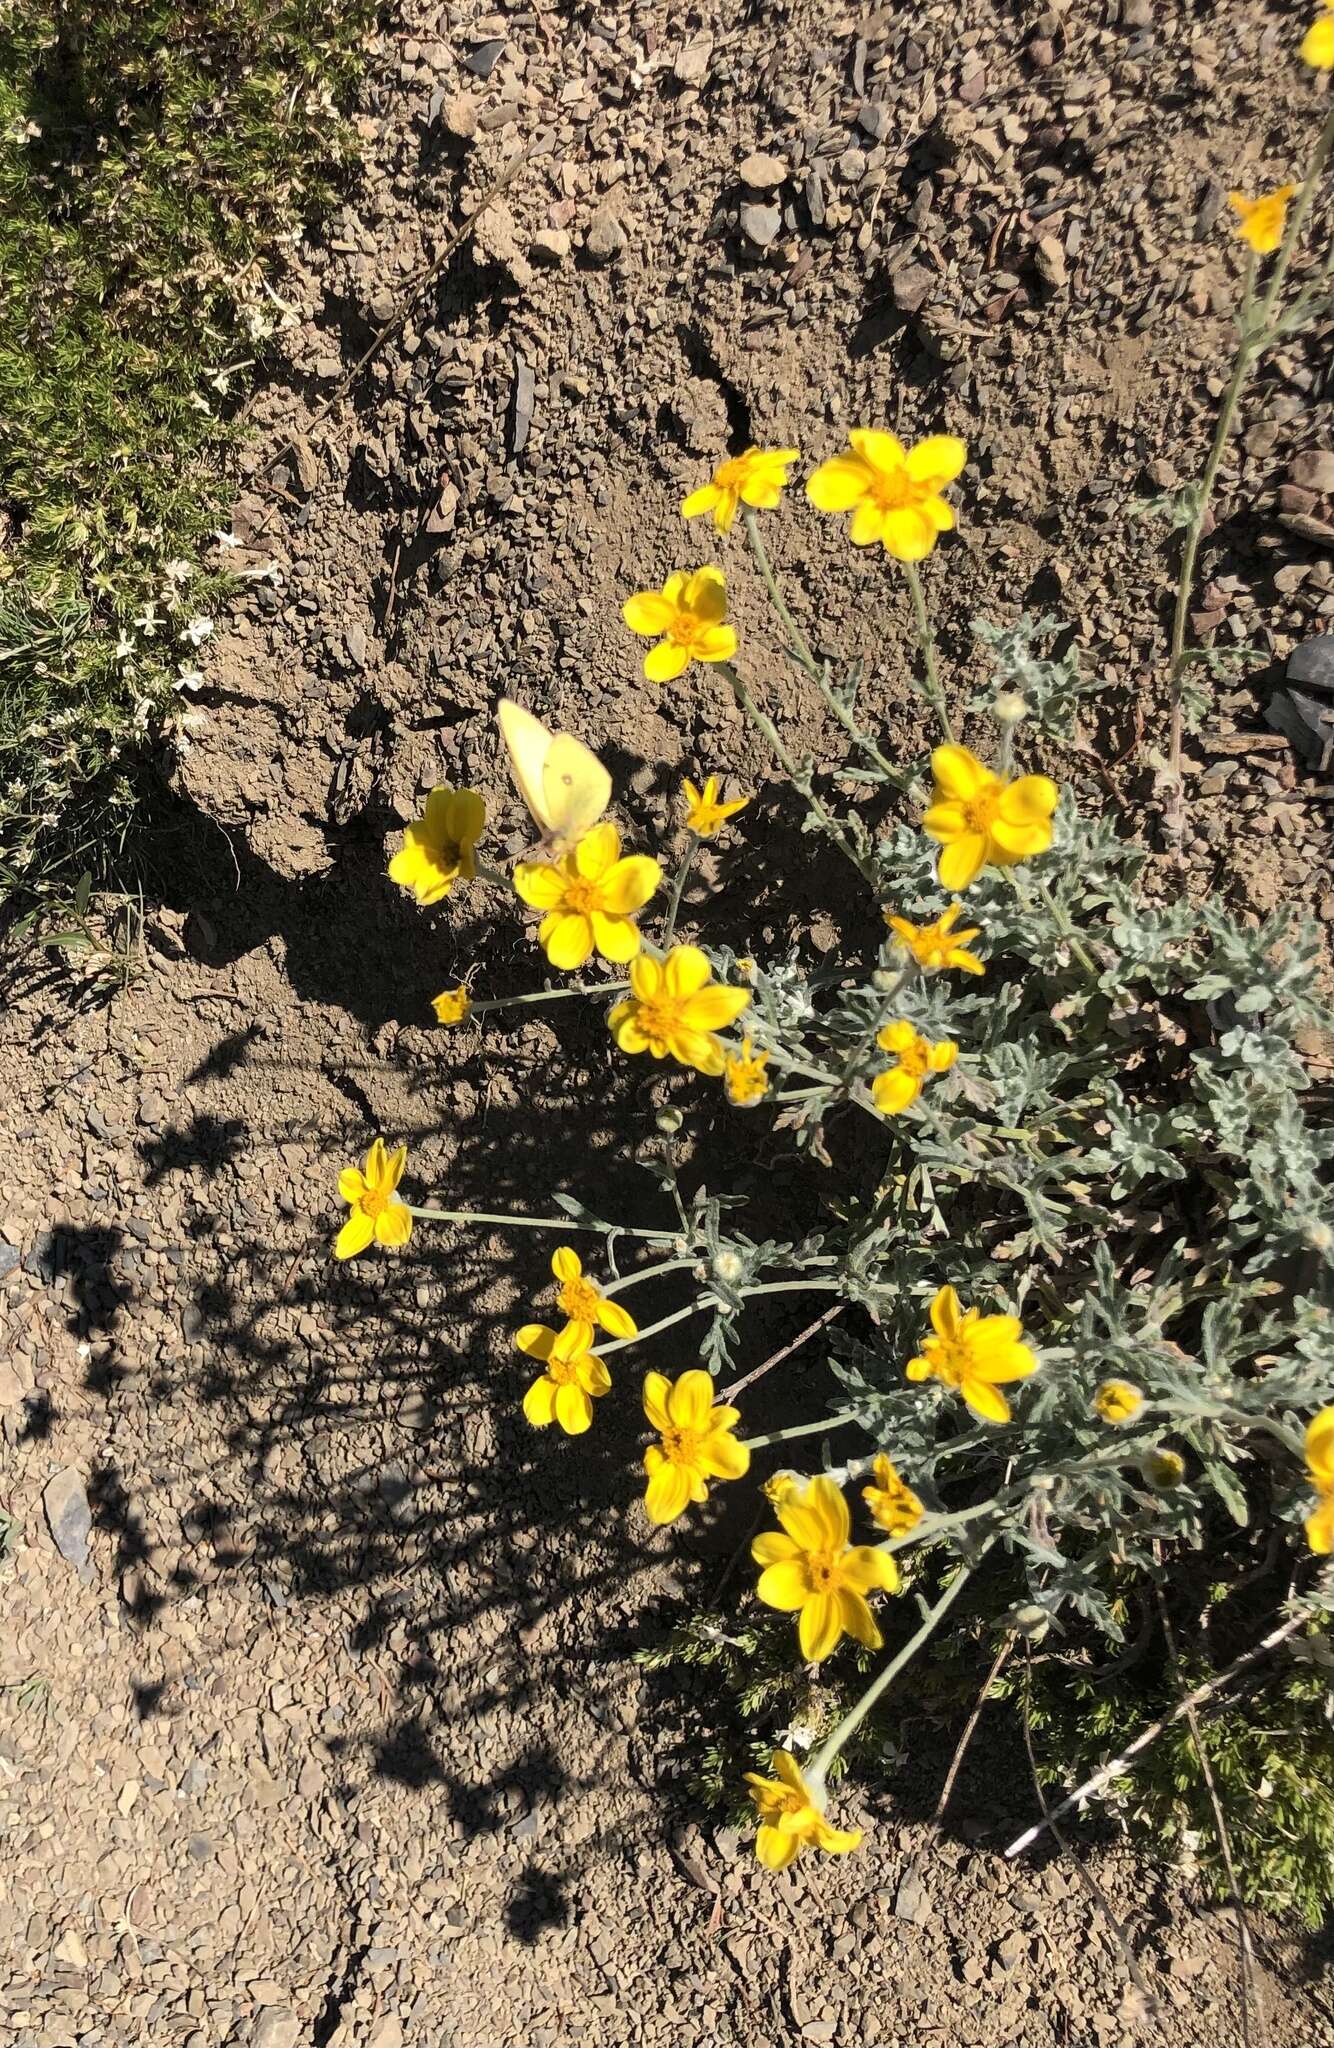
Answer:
(852, 1720)
(926, 642)
(1254, 339)
(549, 995)
(710, 1301)
(539, 1223)
(796, 638)
(1066, 929)
(797, 777)
(682, 874)
(783, 1436)
(646, 1273)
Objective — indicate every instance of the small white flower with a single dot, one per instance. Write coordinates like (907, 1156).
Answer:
(197, 631)
(148, 620)
(189, 679)
(123, 648)
(178, 571)
(225, 540)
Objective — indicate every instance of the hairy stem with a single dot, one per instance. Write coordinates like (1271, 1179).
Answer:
(926, 642)
(682, 875)
(520, 1222)
(800, 781)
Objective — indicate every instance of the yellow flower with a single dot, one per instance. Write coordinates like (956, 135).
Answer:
(1117, 1401)
(580, 1301)
(1320, 1466)
(811, 1569)
(938, 945)
(790, 1820)
(696, 1445)
(756, 478)
(893, 1504)
(686, 617)
(980, 820)
(452, 1005)
(437, 848)
(1163, 1469)
(590, 897)
(778, 1486)
(1260, 221)
(892, 492)
(899, 1086)
(378, 1212)
(704, 814)
(973, 1353)
(1317, 47)
(744, 1077)
(673, 1010)
(573, 1379)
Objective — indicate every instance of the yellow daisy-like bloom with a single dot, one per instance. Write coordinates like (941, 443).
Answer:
(438, 848)
(379, 1214)
(981, 821)
(687, 618)
(893, 1504)
(899, 1086)
(1320, 1468)
(790, 1820)
(573, 1379)
(744, 1076)
(705, 815)
(1317, 46)
(1260, 221)
(810, 1569)
(974, 1354)
(674, 1010)
(452, 1005)
(590, 897)
(1163, 1469)
(696, 1443)
(580, 1301)
(1116, 1401)
(938, 945)
(778, 1486)
(892, 492)
(758, 478)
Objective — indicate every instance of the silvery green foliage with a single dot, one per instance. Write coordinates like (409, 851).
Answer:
(1051, 689)
(1128, 1154)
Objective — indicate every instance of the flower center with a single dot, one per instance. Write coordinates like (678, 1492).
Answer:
(913, 1059)
(686, 629)
(582, 896)
(891, 493)
(579, 1301)
(681, 1446)
(979, 811)
(659, 1017)
(564, 1371)
(375, 1201)
(822, 1571)
(949, 1361)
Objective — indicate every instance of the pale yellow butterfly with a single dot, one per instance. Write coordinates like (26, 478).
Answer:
(564, 785)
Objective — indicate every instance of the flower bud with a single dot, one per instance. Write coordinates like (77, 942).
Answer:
(730, 1268)
(1319, 1235)
(669, 1121)
(1116, 1401)
(1031, 1621)
(1163, 1469)
(1010, 708)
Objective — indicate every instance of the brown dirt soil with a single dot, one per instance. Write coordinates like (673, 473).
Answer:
(338, 1738)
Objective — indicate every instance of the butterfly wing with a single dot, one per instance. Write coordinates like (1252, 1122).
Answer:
(576, 790)
(528, 744)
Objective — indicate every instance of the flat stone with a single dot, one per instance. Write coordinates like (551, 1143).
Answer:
(693, 60)
(386, 2033)
(277, 2026)
(1314, 471)
(761, 224)
(9, 1258)
(483, 60)
(911, 286)
(910, 1900)
(458, 113)
(762, 172)
(550, 246)
(522, 395)
(1313, 663)
(68, 1516)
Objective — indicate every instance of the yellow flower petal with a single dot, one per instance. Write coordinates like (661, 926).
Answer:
(649, 612)
(354, 1236)
(666, 661)
(838, 485)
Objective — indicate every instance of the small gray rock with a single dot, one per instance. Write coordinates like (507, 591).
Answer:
(761, 224)
(69, 1517)
(873, 119)
(9, 1258)
(483, 60)
(1313, 663)
(605, 240)
(1314, 470)
(911, 286)
(276, 2026)
(354, 640)
(522, 395)
(910, 1900)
